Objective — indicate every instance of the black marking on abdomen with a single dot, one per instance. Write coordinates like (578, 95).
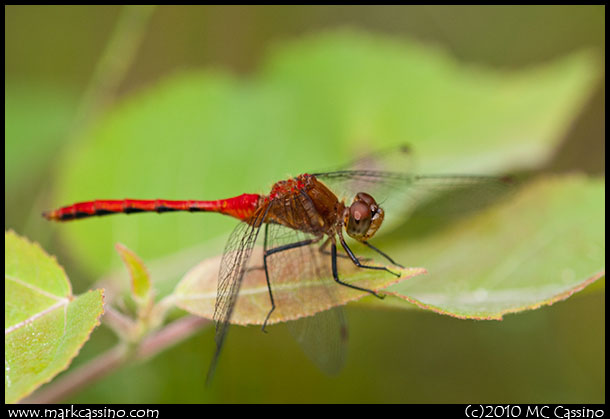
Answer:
(130, 210)
(100, 212)
(75, 216)
(161, 209)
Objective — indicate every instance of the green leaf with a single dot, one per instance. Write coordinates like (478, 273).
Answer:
(298, 294)
(44, 324)
(371, 90)
(140, 279)
(317, 102)
(539, 248)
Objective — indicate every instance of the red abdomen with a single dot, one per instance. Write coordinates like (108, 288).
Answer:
(241, 207)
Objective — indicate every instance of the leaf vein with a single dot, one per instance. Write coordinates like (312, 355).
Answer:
(63, 303)
(36, 289)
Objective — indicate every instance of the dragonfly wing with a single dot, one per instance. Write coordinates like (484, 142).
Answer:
(323, 338)
(388, 176)
(400, 194)
(399, 159)
(301, 281)
(232, 269)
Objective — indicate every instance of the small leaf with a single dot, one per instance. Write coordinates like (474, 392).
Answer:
(295, 299)
(539, 248)
(44, 324)
(140, 279)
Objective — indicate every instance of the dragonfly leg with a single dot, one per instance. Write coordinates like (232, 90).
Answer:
(382, 254)
(336, 274)
(326, 252)
(269, 252)
(357, 262)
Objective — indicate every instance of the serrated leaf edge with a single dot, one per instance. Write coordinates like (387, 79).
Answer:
(500, 315)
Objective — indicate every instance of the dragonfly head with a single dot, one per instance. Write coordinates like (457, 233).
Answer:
(363, 218)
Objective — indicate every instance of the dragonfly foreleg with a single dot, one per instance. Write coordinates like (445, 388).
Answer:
(333, 250)
(382, 254)
(357, 262)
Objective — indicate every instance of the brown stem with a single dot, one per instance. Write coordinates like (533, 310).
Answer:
(114, 358)
(88, 373)
(118, 322)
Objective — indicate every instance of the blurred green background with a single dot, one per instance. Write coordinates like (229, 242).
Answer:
(74, 131)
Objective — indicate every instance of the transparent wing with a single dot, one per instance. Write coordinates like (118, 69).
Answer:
(399, 159)
(388, 175)
(323, 337)
(401, 193)
(232, 268)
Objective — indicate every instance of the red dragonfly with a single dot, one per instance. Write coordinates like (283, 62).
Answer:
(300, 213)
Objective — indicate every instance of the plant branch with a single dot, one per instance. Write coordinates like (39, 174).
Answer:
(111, 360)
(118, 322)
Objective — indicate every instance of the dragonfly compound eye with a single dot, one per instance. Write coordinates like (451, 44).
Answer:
(366, 198)
(364, 217)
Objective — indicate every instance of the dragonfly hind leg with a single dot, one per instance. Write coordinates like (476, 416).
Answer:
(269, 252)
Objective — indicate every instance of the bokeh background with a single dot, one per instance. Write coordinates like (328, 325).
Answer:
(55, 63)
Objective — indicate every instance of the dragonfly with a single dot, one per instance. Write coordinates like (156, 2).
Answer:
(304, 222)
